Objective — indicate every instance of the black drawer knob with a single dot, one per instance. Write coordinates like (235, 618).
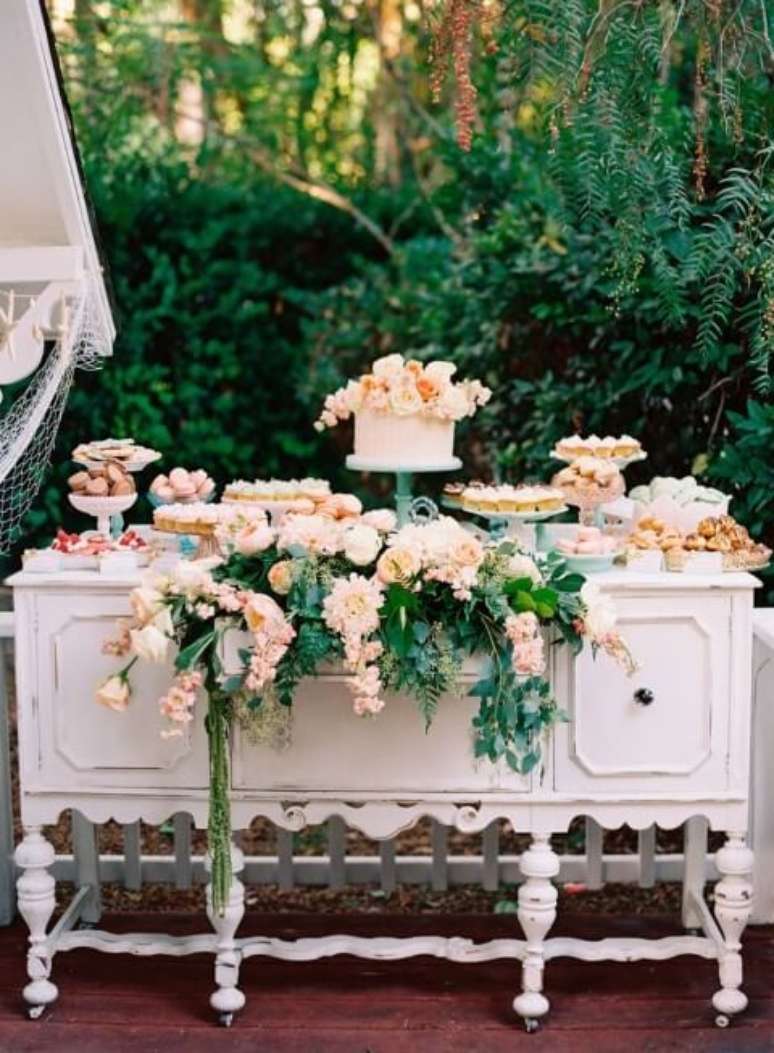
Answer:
(644, 696)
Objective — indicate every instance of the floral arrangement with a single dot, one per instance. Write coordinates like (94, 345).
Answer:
(401, 609)
(406, 388)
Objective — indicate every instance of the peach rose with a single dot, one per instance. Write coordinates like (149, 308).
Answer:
(428, 388)
(467, 552)
(281, 577)
(261, 612)
(397, 565)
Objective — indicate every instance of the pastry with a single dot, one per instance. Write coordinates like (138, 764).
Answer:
(724, 535)
(452, 494)
(570, 449)
(124, 451)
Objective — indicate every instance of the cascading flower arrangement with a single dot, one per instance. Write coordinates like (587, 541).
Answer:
(400, 609)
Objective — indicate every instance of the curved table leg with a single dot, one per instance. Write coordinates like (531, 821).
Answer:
(35, 889)
(537, 913)
(733, 907)
(227, 998)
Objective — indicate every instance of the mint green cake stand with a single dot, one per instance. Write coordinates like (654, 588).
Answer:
(403, 477)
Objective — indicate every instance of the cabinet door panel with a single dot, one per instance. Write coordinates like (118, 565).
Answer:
(666, 727)
(82, 743)
(331, 749)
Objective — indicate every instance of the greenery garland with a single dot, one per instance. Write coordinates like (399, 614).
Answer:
(401, 611)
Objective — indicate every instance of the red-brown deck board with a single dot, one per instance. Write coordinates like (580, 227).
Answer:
(346, 1005)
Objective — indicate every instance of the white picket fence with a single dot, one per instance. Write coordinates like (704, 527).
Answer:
(484, 864)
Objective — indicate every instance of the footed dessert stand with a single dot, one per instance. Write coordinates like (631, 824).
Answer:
(403, 478)
(674, 744)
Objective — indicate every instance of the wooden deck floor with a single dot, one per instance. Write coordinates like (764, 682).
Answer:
(343, 1005)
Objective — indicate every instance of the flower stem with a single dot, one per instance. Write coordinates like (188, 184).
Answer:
(219, 824)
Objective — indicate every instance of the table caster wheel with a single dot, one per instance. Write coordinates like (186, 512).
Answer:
(35, 1012)
(721, 1020)
(226, 1019)
(531, 1024)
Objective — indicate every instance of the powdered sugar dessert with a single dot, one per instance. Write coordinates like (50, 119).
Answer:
(199, 518)
(308, 492)
(404, 413)
(622, 448)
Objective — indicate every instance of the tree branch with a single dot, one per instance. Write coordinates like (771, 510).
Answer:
(299, 181)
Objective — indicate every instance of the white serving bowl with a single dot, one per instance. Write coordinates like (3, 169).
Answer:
(102, 508)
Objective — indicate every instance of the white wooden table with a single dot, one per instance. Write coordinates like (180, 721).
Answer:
(670, 746)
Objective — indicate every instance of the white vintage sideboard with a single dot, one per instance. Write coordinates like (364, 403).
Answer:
(670, 744)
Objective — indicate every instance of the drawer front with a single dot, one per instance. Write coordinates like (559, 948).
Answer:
(332, 750)
(71, 741)
(620, 740)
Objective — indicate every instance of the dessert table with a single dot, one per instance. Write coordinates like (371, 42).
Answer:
(671, 743)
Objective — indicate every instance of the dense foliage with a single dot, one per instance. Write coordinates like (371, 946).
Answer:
(280, 201)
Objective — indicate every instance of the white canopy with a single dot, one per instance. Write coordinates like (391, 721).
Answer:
(46, 231)
(52, 287)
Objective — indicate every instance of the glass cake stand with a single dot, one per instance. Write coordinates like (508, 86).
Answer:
(403, 477)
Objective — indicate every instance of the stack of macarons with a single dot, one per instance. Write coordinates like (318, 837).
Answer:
(587, 541)
(182, 487)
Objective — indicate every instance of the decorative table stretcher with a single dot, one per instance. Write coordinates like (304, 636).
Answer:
(667, 745)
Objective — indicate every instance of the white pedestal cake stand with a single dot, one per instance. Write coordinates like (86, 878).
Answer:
(403, 477)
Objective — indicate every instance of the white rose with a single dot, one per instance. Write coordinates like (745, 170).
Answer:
(440, 371)
(149, 643)
(388, 366)
(162, 621)
(114, 693)
(405, 399)
(453, 403)
(361, 544)
(600, 616)
(191, 577)
(382, 519)
(520, 566)
(146, 603)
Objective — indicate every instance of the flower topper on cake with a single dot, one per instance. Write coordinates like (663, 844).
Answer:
(406, 388)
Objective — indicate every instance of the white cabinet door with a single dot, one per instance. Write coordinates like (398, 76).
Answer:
(388, 755)
(665, 729)
(72, 742)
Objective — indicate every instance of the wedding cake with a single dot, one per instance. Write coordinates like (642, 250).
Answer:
(405, 413)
